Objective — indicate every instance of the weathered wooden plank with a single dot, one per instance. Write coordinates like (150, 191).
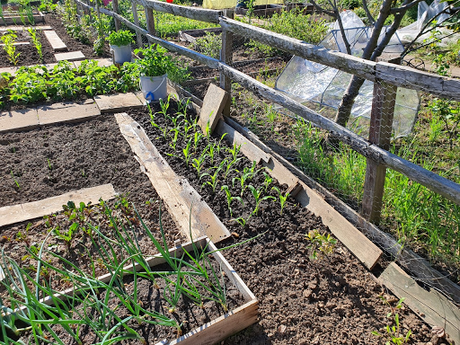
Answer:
(185, 205)
(204, 15)
(226, 56)
(407, 258)
(440, 185)
(253, 153)
(366, 251)
(37, 209)
(351, 64)
(432, 307)
(211, 111)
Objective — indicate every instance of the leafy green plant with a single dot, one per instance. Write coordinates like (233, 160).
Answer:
(321, 245)
(198, 163)
(155, 61)
(36, 42)
(121, 38)
(209, 45)
(246, 176)
(8, 39)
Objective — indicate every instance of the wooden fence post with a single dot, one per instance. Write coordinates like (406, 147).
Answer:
(226, 56)
(150, 21)
(115, 9)
(136, 21)
(381, 125)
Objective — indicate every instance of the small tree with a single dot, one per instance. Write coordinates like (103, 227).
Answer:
(396, 8)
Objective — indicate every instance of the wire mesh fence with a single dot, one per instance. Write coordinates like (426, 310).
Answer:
(414, 125)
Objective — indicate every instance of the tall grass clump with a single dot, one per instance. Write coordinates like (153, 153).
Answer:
(307, 28)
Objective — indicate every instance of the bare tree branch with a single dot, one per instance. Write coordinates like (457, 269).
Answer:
(368, 13)
(404, 8)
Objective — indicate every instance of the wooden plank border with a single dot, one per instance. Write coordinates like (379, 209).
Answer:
(37, 209)
(191, 214)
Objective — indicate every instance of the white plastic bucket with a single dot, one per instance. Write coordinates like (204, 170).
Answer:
(121, 54)
(154, 88)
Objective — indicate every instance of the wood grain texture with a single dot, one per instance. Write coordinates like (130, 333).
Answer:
(192, 215)
(37, 209)
(432, 307)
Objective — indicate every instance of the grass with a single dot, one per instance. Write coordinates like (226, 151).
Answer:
(416, 216)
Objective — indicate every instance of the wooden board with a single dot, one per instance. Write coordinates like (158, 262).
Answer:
(366, 251)
(216, 330)
(37, 209)
(182, 200)
(213, 104)
(432, 307)
(247, 148)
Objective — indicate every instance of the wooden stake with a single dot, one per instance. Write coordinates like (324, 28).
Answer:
(226, 56)
(380, 134)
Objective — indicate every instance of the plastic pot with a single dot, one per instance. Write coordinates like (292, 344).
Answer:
(154, 88)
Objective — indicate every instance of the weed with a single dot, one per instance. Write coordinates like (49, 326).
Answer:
(392, 334)
(209, 45)
(321, 245)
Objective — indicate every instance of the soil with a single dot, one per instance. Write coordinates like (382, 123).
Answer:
(334, 300)
(28, 53)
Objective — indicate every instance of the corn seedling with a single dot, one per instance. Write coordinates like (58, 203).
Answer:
(246, 176)
(164, 105)
(234, 151)
(196, 140)
(267, 182)
(198, 163)
(8, 40)
(257, 194)
(36, 42)
(214, 178)
(230, 198)
(320, 244)
(15, 180)
(242, 221)
(187, 153)
(282, 198)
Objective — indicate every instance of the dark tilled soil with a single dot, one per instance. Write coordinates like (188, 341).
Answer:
(334, 300)
(28, 53)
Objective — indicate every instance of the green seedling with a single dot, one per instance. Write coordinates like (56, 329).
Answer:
(267, 182)
(23, 236)
(36, 42)
(257, 194)
(198, 163)
(321, 245)
(247, 175)
(164, 105)
(15, 180)
(282, 198)
(50, 166)
(196, 140)
(214, 178)
(230, 198)
(242, 221)
(393, 335)
(234, 151)
(8, 40)
(187, 153)
(174, 139)
(211, 149)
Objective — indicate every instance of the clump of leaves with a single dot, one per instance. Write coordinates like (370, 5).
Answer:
(321, 245)
(8, 40)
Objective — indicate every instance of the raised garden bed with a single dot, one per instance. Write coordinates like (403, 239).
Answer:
(12, 15)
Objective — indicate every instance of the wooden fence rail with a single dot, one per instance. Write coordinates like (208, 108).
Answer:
(369, 70)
